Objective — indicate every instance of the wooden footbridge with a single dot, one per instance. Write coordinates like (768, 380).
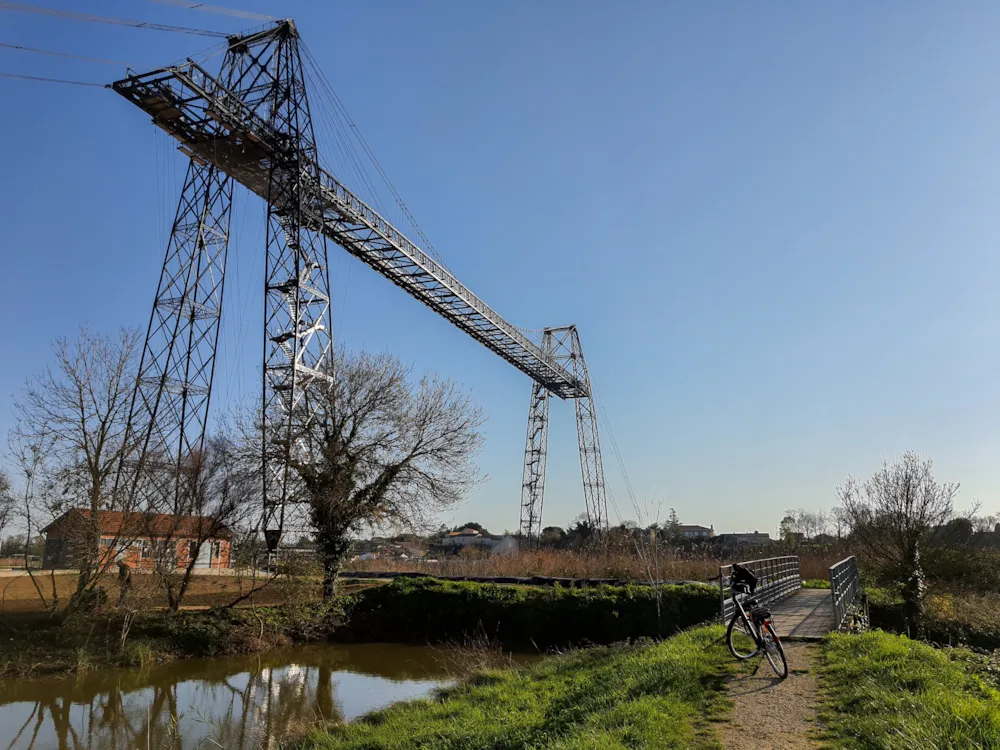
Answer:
(799, 614)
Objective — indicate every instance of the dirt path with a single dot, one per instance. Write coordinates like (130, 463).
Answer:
(772, 713)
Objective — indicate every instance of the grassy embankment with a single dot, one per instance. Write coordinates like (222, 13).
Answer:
(413, 610)
(37, 644)
(650, 695)
(889, 692)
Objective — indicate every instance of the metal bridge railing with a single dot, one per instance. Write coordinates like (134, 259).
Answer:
(777, 578)
(845, 586)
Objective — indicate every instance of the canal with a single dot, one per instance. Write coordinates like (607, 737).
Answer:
(236, 702)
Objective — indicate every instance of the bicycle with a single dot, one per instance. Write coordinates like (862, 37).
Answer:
(751, 632)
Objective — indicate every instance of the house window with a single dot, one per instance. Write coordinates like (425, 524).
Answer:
(145, 550)
(192, 549)
(106, 543)
(217, 552)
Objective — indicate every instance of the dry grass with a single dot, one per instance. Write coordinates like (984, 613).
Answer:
(18, 594)
(978, 611)
(624, 564)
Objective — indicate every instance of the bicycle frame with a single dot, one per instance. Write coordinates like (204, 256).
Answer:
(747, 620)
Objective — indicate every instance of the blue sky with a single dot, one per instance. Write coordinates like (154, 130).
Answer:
(775, 226)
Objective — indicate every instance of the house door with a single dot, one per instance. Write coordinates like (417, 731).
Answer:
(204, 559)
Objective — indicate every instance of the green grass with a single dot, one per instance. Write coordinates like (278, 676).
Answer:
(648, 696)
(816, 583)
(889, 692)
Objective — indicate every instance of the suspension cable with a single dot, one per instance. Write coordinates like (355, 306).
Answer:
(22, 48)
(215, 9)
(54, 80)
(105, 19)
(339, 108)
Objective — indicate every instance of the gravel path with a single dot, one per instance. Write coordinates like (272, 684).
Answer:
(770, 713)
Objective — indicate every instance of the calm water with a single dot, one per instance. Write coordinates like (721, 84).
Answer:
(239, 703)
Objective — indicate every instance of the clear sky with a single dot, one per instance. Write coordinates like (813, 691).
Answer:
(774, 224)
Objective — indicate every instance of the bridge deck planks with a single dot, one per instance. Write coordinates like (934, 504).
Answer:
(806, 615)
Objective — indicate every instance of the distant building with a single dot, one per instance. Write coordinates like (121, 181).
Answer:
(745, 539)
(693, 531)
(498, 545)
(138, 539)
(462, 538)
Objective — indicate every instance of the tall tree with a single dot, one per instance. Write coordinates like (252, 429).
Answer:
(892, 516)
(384, 450)
(79, 408)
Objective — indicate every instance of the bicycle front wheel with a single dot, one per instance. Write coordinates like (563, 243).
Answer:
(773, 650)
(741, 638)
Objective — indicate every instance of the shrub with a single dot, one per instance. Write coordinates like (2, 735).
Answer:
(427, 610)
(139, 654)
(950, 619)
(816, 583)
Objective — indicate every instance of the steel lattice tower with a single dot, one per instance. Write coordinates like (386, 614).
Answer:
(563, 344)
(252, 124)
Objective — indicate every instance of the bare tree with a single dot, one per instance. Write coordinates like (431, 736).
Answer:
(8, 503)
(215, 494)
(384, 450)
(80, 406)
(840, 521)
(813, 522)
(893, 516)
(789, 525)
(29, 453)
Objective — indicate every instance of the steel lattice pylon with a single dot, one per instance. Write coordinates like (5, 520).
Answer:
(170, 407)
(535, 454)
(563, 343)
(252, 124)
(297, 316)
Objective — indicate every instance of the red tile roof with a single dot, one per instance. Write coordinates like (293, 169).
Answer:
(149, 524)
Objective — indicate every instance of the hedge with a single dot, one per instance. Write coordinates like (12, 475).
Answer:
(426, 610)
(944, 631)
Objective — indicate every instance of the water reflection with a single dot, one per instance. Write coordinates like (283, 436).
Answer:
(247, 702)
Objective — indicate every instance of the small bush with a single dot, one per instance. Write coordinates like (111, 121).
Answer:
(84, 660)
(139, 654)
(421, 610)
(816, 583)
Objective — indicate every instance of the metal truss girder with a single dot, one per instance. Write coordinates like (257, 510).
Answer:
(220, 127)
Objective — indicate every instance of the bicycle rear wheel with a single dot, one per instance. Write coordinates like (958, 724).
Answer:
(773, 650)
(741, 638)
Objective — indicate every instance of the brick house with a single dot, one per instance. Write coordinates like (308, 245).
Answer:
(138, 538)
